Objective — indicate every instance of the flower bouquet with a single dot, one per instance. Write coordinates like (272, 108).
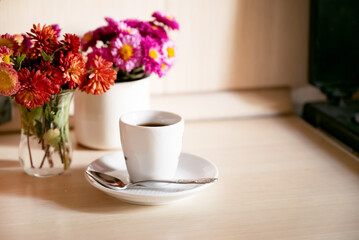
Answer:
(40, 72)
(136, 48)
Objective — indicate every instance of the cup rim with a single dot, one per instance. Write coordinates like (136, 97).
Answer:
(177, 118)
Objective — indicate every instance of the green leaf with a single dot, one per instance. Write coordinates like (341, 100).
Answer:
(19, 61)
(46, 57)
(38, 128)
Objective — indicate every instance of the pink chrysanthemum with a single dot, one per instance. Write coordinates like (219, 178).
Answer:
(169, 52)
(158, 32)
(118, 27)
(148, 29)
(106, 33)
(126, 52)
(5, 54)
(167, 20)
(34, 88)
(112, 25)
(152, 59)
(114, 28)
(126, 29)
(164, 69)
(143, 27)
(9, 83)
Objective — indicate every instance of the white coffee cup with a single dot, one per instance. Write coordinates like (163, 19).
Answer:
(151, 142)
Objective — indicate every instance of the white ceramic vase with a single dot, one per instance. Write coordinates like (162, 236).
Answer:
(97, 116)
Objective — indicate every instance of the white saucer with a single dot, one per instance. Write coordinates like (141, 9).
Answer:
(189, 167)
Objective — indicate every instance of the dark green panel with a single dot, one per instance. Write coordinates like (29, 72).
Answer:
(334, 46)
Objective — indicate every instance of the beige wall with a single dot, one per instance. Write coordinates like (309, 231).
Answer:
(222, 44)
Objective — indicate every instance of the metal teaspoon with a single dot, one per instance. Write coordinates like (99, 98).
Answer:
(112, 181)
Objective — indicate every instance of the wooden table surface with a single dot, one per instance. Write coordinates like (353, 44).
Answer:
(278, 179)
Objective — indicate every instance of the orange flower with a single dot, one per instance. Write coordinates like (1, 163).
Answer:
(74, 69)
(34, 90)
(101, 78)
(9, 83)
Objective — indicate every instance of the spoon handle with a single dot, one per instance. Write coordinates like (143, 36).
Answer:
(181, 181)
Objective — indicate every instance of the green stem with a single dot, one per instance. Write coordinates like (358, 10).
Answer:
(28, 147)
(43, 159)
(43, 127)
(62, 154)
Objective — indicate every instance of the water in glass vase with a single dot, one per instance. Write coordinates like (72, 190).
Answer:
(45, 147)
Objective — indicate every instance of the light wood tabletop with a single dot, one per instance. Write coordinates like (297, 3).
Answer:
(278, 179)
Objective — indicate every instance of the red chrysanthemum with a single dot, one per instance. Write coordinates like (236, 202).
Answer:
(55, 76)
(44, 38)
(101, 78)
(9, 83)
(74, 69)
(71, 42)
(34, 88)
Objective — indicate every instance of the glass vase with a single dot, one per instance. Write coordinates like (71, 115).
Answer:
(45, 147)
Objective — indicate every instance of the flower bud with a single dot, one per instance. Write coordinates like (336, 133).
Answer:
(52, 136)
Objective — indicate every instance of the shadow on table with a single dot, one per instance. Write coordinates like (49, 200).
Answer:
(8, 164)
(70, 190)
